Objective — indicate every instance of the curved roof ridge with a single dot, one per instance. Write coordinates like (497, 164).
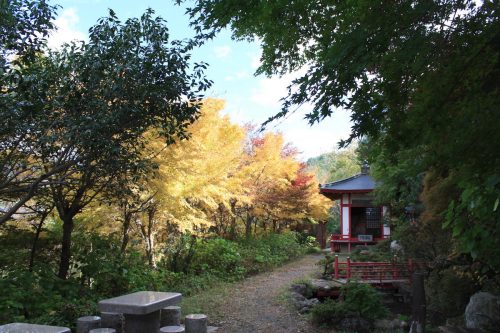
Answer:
(342, 180)
(359, 182)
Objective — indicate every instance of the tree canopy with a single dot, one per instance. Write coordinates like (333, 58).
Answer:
(419, 77)
(76, 118)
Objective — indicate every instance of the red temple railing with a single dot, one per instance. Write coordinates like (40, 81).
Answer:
(374, 272)
(337, 239)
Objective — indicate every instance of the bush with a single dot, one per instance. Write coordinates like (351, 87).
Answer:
(266, 252)
(450, 293)
(219, 257)
(379, 253)
(328, 313)
(99, 270)
(356, 300)
(363, 300)
(43, 298)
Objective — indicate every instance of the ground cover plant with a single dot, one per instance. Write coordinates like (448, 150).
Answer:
(98, 270)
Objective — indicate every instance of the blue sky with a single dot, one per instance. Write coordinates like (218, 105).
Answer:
(232, 64)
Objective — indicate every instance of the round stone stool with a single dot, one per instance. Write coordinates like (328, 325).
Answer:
(103, 330)
(85, 324)
(171, 316)
(172, 329)
(196, 323)
(112, 320)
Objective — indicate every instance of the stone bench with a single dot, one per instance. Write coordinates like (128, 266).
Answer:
(32, 328)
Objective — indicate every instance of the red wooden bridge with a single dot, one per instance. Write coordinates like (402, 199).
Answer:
(378, 273)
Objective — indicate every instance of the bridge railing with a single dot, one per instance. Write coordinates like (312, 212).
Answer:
(373, 271)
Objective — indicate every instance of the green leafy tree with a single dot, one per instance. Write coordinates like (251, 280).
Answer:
(24, 26)
(420, 79)
(90, 104)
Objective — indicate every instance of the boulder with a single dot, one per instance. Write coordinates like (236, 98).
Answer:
(383, 324)
(396, 247)
(483, 312)
(299, 288)
(389, 325)
(355, 324)
(324, 285)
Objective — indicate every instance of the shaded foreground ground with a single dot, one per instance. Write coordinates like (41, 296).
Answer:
(257, 304)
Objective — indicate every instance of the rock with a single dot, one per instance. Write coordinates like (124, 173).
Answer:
(299, 288)
(297, 297)
(395, 324)
(314, 301)
(389, 325)
(483, 312)
(355, 324)
(303, 304)
(396, 247)
(382, 324)
(324, 285)
(454, 329)
(297, 300)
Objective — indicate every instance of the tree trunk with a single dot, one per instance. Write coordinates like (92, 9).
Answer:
(66, 247)
(232, 230)
(35, 241)
(419, 304)
(127, 218)
(248, 225)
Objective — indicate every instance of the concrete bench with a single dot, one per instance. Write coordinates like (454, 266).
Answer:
(32, 328)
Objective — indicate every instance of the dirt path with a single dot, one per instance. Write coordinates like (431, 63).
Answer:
(257, 303)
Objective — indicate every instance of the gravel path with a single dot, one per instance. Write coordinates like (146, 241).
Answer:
(257, 305)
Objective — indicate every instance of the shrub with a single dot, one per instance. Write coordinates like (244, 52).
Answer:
(328, 313)
(357, 300)
(450, 292)
(378, 253)
(219, 257)
(363, 300)
(268, 251)
(327, 264)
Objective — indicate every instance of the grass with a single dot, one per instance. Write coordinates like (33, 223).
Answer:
(209, 301)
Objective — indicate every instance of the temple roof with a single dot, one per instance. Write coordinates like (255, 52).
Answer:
(360, 183)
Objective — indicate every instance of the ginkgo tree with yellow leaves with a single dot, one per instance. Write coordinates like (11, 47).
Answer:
(225, 179)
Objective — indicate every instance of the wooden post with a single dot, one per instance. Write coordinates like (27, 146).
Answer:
(348, 267)
(336, 266)
(394, 272)
(410, 267)
(418, 305)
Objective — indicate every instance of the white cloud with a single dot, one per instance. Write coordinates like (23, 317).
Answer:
(241, 75)
(255, 62)
(269, 91)
(319, 138)
(237, 76)
(66, 29)
(222, 51)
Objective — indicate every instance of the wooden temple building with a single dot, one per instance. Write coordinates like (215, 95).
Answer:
(361, 221)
